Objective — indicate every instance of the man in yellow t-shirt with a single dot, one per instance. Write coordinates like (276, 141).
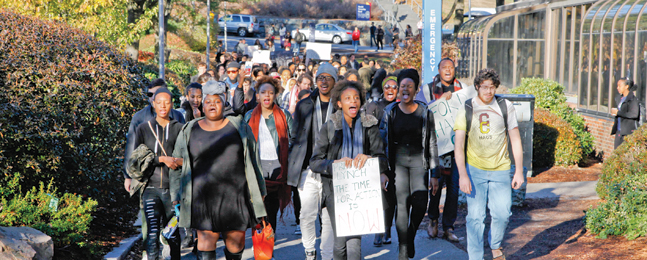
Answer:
(485, 175)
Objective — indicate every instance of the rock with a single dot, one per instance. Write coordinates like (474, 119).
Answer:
(25, 243)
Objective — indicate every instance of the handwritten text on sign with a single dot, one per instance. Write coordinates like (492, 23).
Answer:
(445, 114)
(358, 199)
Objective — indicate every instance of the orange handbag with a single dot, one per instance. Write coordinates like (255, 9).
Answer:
(263, 239)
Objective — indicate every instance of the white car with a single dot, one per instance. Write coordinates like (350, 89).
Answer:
(241, 24)
(327, 32)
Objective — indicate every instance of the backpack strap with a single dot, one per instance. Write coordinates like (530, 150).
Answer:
(469, 110)
(504, 110)
(427, 92)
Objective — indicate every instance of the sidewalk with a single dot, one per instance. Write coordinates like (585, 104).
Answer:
(581, 190)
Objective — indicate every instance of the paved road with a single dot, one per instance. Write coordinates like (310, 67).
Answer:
(336, 48)
(288, 246)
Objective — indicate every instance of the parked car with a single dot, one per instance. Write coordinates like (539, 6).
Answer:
(327, 32)
(241, 24)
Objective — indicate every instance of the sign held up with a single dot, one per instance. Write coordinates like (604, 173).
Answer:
(445, 115)
(358, 199)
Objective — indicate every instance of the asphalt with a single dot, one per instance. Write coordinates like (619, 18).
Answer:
(288, 245)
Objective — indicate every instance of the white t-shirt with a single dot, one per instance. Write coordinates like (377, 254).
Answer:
(487, 141)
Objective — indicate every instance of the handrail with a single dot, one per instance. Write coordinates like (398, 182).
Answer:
(415, 6)
(388, 15)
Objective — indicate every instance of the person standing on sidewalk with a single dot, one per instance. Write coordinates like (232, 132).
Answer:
(356, 36)
(483, 127)
(627, 114)
(351, 136)
(309, 116)
(441, 88)
(409, 131)
(372, 31)
(282, 31)
(298, 39)
(380, 38)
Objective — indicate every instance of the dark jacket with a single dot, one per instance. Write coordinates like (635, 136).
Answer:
(167, 136)
(429, 92)
(142, 116)
(239, 106)
(327, 149)
(629, 114)
(376, 108)
(301, 139)
(188, 111)
(429, 148)
(181, 181)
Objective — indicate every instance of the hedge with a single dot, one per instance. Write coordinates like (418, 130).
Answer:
(554, 142)
(550, 95)
(65, 108)
(623, 190)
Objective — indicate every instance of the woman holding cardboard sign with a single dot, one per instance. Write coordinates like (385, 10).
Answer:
(352, 137)
(409, 129)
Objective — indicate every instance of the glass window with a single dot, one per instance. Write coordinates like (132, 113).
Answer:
(533, 24)
(499, 58)
(530, 59)
(610, 73)
(246, 19)
(319, 27)
(236, 19)
(502, 29)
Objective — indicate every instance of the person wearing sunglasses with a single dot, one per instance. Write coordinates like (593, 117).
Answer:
(232, 78)
(301, 69)
(376, 109)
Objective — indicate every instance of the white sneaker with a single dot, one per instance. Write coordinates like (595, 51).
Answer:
(298, 230)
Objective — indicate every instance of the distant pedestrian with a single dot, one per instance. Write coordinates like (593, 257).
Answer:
(352, 63)
(396, 36)
(627, 113)
(311, 38)
(420, 26)
(408, 33)
(298, 39)
(372, 31)
(202, 68)
(380, 38)
(282, 32)
(356, 36)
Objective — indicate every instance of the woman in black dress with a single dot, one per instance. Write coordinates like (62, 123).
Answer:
(222, 188)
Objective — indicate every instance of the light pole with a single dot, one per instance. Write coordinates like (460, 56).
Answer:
(161, 38)
(225, 27)
(208, 29)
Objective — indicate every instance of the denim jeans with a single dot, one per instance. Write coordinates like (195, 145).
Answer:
(451, 199)
(296, 48)
(356, 45)
(346, 248)
(491, 188)
(373, 40)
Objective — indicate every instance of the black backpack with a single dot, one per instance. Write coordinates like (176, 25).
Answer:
(641, 115)
(469, 110)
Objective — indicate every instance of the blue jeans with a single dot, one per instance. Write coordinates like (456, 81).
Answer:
(493, 187)
(372, 39)
(356, 44)
(296, 48)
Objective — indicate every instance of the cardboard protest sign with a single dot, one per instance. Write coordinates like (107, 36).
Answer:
(261, 57)
(358, 199)
(249, 51)
(445, 115)
(318, 51)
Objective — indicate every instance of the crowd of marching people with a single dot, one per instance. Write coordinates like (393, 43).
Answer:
(243, 146)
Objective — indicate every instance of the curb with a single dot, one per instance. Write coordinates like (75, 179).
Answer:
(124, 247)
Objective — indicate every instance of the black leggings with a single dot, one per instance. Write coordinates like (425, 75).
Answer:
(411, 194)
(158, 210)
(272, 207)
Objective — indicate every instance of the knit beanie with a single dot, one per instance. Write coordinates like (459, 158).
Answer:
(327, 68)
(162, 90)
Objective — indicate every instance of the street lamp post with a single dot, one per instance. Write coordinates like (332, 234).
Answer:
(208, 29)
(161, 38)
(225, 27)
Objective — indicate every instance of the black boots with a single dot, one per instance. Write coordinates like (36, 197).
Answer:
(206, 255)
(233, 256)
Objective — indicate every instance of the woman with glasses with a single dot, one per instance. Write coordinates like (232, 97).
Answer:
(376, 108)
(410, 136)
(220, 185)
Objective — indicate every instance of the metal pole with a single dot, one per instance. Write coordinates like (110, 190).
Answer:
(208, 29)
(225, 27)
(469, 6)
(161, 38)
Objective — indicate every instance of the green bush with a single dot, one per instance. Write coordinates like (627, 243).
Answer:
(184, 69)
(554, 142)
(66, 221)
(623, 189)
(550, 95)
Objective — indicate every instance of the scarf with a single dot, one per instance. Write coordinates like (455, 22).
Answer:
(280, 184)
(319, 116)
(353, 144)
